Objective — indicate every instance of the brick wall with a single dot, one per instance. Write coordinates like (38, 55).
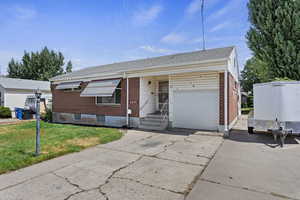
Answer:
(71, 102)
(232, 98)
(221, 98)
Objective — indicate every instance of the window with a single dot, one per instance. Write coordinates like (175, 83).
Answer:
(78, 89)
(114, 99)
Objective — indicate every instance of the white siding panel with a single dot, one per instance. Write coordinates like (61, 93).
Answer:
(2, 91)
(191, 81)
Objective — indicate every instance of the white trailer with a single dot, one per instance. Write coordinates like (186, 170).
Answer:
(276, 105)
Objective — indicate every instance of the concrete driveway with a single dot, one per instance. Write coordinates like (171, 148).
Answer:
(251, 167)
(142, 165)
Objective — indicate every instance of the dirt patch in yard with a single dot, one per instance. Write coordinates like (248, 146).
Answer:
(4, 129)
(84, 142)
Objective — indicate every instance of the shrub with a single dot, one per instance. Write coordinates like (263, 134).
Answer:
(47, 116)
(5, 112)
(246, 111)
(250, 101)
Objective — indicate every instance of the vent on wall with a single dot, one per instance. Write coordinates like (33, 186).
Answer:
(62, 117)
(100, 119)
(77, 117)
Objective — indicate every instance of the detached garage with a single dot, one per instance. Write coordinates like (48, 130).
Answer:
(16, 92)
(194, 90)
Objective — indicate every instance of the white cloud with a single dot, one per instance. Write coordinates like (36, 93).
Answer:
(193, 7)
(24, 13)
(231, 5)
(146, 16)
(173, 38)
(220, 12)
(153, 49)
(219, 26)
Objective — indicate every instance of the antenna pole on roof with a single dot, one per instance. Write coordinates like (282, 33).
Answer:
(202, 21)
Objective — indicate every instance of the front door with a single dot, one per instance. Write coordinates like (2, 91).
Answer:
(163, 95)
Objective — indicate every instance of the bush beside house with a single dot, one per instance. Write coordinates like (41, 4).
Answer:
(5, 112)
(47, 116)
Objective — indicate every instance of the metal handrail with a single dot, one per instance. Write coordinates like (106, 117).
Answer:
(163, 111)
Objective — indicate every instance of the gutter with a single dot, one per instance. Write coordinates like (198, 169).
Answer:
(226, 131)
(127, 100)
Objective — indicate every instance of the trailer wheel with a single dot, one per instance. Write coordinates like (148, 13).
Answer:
(250, 130)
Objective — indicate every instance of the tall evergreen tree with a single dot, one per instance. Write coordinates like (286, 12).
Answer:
(14, 69)
(69, 67)
(37, 65)
(274, 36)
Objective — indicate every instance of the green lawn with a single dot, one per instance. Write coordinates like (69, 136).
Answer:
(17, 142)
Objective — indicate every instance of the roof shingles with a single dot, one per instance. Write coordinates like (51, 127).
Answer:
(176, 59)
(23, 84)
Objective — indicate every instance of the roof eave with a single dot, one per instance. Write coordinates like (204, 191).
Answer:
(121, 72)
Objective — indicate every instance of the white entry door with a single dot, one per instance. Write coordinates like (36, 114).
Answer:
(196, 109)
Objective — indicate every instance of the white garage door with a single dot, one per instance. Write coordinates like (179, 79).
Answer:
(197, 109)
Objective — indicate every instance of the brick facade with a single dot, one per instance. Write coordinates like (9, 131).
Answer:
(233, 98)
(71, 102)
(221, 99)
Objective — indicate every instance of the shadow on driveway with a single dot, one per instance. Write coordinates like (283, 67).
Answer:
(261, 138)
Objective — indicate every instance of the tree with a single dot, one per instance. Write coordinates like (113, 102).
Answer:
(69, 67)
(37, 65)
(274, 36)
(14, 69)
(255, 71)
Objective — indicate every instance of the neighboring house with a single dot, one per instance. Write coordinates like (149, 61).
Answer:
(15, 92)
(195, 90)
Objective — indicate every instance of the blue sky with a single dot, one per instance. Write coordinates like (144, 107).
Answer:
(94, 32)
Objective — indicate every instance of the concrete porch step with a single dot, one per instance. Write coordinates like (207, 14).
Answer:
(154, 116)
(154, 122)
(152, 119)
(150, 122)
(154, 127)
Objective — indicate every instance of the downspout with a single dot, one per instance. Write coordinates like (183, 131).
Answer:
(127, 102)
(226, 132)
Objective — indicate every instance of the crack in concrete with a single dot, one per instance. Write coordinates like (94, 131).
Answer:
(197, 177)
(68, 181)
(149, 185)
(181, 162)
(166, 147)
(71, 195)
(73, 184)
(113, 173)
(119, 150)
(157, 157)
(34, 177)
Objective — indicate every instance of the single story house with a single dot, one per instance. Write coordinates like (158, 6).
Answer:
(15, 92)
(194, 90)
